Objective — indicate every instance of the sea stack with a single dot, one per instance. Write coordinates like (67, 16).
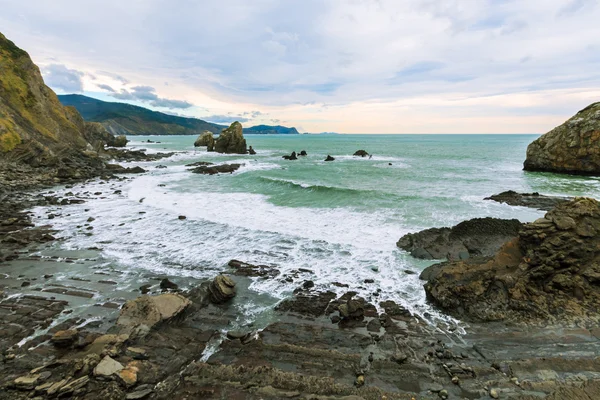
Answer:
(205, 139)
(231, 140)
(571, 148)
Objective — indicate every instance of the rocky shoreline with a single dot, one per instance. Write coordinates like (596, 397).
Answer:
(318, 345)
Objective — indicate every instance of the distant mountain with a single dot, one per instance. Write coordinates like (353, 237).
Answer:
(270, 130)
(127, 119)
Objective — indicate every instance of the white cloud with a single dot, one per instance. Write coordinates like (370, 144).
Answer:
(496, 58)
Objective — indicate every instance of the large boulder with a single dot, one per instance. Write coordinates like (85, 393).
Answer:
(222, 289)
(142, 314)
(475, 237)
(550, 273)
(120, 141)
(231, 140)
(205, 139)
(573, 147)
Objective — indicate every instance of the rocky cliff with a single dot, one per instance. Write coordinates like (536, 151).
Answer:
(35, 128)
(549, 273)
(573, 147)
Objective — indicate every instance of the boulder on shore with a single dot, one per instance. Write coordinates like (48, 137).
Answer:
(572, 148)
(231, 140)
(475, 237)
(222, 289)
(120, 141)
(550, 273)
(142, 314)
(207, 139)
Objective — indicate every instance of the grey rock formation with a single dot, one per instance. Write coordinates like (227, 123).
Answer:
(573, 147)
(205, 139)
(231, 140)
(475, 237)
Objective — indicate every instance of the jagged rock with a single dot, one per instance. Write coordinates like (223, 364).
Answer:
(143, 313)
(573, 147)
(361, 153)
(531, 200)
(329, 158)
(251, 151)
(245, 269)
(216, 169)
(475, 237)
(65, 338)
(222, 289)
(107, 367)
(549, 273)
(118, 169)
(231, 140)
(205, 139)
(198, 164)
(352, 309)
(292, 156)
(120, 141)
(166, 284)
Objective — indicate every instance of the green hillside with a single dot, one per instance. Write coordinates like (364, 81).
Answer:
(127, 119)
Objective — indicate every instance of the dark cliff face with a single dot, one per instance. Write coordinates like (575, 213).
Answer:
(35, 128)
(573, 147)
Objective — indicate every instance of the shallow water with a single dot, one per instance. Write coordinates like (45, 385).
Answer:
(338, 219)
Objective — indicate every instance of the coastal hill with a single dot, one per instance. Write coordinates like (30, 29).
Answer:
(270, 130)
(127, 119)
(35, 128)
(572, 148)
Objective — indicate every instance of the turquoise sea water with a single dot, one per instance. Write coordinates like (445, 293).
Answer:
(340, 220)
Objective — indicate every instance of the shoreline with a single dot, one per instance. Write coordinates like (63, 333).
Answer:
(422, 359)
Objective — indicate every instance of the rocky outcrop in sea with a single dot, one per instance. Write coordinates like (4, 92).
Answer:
(571, 148)
(231, 140)
(205, 139)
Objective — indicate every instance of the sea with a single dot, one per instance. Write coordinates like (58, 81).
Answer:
(333, 223)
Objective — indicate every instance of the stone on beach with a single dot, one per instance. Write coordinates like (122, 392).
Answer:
(222, 289)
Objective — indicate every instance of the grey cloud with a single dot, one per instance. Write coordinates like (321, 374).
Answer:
(574, 6)
(147, 94)
(265, 53)
(116, 77)
(107, 88)
(60, 77)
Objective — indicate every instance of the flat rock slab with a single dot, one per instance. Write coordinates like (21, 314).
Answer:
(531, 200)
(108, 367)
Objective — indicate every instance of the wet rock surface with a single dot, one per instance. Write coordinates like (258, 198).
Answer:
(472, 238)
(216, 169)
(531, 200)
(572, 148)
(548, 274)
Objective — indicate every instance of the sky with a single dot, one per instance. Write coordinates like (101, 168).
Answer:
(347, 66)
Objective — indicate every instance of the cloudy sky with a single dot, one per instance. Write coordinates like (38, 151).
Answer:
(354, 66)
